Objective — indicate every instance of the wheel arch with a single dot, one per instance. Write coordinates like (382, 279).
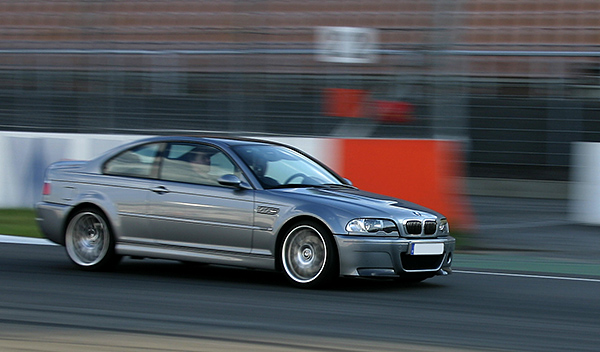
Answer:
(86, 205)
(285, 228)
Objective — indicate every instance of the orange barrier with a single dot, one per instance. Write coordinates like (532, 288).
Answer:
(426, 172)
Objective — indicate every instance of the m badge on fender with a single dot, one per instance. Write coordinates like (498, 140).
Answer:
(267, 210)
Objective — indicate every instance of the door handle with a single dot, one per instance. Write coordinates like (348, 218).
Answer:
(160, 190)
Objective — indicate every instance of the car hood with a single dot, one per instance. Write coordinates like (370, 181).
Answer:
(359, 201)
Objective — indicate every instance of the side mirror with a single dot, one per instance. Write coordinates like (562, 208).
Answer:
(231, 180)
(348, 181)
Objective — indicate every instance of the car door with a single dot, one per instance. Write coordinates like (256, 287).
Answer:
(189, 208)
(126, 180)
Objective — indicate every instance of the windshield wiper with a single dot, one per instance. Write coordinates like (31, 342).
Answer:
(321, 185)
(294, 185)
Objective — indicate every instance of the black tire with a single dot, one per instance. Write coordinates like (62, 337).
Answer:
(89, 241)
(308, 255)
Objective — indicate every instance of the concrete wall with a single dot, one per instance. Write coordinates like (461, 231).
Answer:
(427, 172)
(25, 156)
(584, 194)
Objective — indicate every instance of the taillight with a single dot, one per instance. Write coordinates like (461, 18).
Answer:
(47, 189)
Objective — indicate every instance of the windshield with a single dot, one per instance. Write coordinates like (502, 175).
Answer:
(280, 167)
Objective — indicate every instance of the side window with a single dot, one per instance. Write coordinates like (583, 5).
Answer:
(136, 162)
(196, 163)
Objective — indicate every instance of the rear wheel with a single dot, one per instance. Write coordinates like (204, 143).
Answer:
(89, 241)
(308, 255)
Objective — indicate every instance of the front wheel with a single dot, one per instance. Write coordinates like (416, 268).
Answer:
(308, 255)
(89, 242)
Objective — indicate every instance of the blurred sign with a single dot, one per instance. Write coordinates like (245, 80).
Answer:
(347, 44)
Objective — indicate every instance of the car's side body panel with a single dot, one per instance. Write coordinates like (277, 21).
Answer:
(208, 217)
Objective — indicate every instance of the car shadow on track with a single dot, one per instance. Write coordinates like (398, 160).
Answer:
(167, 270)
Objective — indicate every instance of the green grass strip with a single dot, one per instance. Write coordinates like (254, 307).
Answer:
(19, 222)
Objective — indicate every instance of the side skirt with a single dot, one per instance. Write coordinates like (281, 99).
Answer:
(195, 255)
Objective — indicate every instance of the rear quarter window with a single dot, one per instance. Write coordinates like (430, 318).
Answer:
(136, 162)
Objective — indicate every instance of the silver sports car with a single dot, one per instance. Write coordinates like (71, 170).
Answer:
(240, 202)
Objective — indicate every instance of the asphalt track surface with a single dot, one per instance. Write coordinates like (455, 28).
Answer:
(46, 304)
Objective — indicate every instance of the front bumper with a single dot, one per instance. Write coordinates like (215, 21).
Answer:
(391, 257)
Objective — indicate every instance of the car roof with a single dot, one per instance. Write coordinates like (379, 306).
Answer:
(217, 140)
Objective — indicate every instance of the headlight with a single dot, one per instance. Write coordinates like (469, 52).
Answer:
(443, 226)
(372, 227)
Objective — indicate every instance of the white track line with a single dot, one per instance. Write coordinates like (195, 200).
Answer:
(24, 240)
(529, 276)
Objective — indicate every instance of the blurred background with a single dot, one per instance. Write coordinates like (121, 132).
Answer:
(517, 81)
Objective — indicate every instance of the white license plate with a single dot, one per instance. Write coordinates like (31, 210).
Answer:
(426, 248)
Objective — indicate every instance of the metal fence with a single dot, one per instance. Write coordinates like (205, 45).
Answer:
(518, 81)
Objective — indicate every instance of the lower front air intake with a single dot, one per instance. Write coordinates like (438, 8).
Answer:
(421, 262)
